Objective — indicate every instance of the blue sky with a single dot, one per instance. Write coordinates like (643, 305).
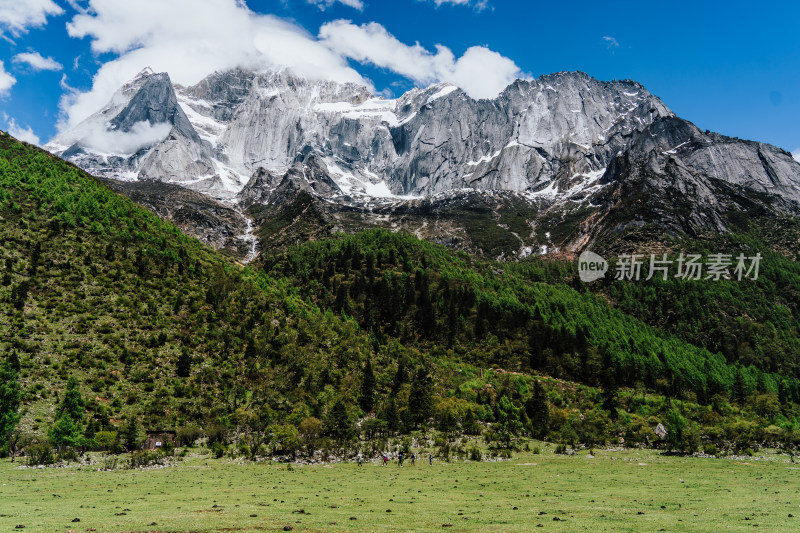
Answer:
(730, 67)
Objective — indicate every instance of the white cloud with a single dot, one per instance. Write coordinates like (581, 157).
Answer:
(65, 86)
(611, 42)
(325, 4)
(37, 62)
(23, 134)
(479, 5)
(6, 80)
(189, 40)
(96, 138)
(77, 5)
(70, 95)
(796, 155)
(481, 72)
(17, 16)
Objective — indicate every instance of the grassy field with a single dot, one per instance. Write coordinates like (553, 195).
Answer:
(614, 491)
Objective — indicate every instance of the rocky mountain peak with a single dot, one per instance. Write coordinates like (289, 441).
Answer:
(561, 142)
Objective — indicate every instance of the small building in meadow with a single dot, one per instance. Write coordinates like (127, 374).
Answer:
(157, 440)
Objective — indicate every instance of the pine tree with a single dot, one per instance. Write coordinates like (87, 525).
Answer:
(65, 432)
(131, 434)
(783, 396)
(184, 365)
(13, 360)
(391, 416)
(410, 294)
(610, 400)
(538, 411)
(452, 323)
(401, 376)
(72, 404)
(36, 255)
(609, 383)
(761, 385)
(676, 430)
(470, 425)
(426, 315)
(19, 294)
(480, 321)
(738, 390)
(368, 315)
(341, 298)
(370, 266)
(367, 398)
(355, 260)
(508, 421)
(420, 399)
(339, 425)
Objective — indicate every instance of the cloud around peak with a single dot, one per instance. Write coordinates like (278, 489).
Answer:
(480, 72)
(190, 40)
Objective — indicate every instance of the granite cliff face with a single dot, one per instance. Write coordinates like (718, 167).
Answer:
(562, 149)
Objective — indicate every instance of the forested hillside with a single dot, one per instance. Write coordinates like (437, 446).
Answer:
(112, 321)
(153, 324)
(537, 315)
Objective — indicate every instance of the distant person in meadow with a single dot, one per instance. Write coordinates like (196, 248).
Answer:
(360, 460)
(400, 459)
(413, 459)
(430, 459)
(385, 460)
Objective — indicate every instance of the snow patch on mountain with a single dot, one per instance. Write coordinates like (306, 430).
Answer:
(484, 159)
(675, 150)
(375, 108)
(206, 126)
(231, 180)
(550, 192)
(361, 184)
(441, 93)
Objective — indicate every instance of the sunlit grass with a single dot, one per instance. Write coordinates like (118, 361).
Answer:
(614, 491)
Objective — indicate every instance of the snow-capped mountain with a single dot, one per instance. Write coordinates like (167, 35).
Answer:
(214, 136)
(561, 141)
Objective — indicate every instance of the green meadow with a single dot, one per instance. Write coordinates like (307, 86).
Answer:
(625, 490)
